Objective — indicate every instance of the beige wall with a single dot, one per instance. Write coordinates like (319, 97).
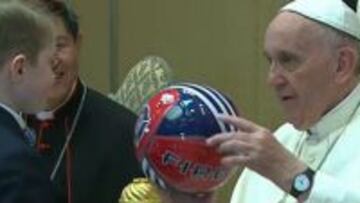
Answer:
(95, 45)
(218, 43)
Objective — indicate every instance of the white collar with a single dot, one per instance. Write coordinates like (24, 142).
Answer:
(49, 114)
(338, 116)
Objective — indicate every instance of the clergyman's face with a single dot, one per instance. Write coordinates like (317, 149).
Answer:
(67, 68)
(301, 68)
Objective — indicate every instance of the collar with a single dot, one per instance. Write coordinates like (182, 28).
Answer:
(71, 102)
(15, 115)
(338, 116)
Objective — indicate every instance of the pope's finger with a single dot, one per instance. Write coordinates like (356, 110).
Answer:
(234, 147)
(239, 123)
(232, 161)
(217, 139)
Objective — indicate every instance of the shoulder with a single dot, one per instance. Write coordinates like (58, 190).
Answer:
(101, 114)
(22, 171)
(102, 105)
(354, 123)
(11, 142)
(14, 151)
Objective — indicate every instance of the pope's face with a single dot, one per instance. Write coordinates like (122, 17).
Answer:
(301, 69)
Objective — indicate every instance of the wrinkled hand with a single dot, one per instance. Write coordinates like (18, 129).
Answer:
(255, 147)
(171, 196)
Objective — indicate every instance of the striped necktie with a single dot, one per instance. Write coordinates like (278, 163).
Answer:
(30, 136)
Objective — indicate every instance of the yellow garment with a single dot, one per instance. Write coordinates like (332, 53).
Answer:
(140, 191)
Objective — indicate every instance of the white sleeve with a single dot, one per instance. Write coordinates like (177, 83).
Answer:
(327, 189)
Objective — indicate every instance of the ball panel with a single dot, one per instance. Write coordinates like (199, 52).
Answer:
(171, 133)
(221, 101)
(187, 164)
(190, 116)
(151, 117)
(212, 105)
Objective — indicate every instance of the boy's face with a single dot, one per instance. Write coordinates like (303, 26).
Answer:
(38, 78)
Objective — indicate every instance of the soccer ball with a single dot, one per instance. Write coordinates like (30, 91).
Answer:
(170, 136)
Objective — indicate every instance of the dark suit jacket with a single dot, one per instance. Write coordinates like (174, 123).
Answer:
(101, 159)
(22, 177)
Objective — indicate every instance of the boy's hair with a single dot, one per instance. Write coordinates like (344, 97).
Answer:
(23, 30)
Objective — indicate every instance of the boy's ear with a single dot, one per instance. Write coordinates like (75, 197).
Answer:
(17, 67)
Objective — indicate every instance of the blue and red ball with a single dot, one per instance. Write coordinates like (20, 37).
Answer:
(170, 137)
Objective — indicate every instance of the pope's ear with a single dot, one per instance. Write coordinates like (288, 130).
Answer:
(347, 63)
(17, 67)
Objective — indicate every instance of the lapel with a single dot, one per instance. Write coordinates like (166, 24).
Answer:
(8, 122)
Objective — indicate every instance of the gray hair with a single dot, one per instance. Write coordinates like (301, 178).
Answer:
(336, 39)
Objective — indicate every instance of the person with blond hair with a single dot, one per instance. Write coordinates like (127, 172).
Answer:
(84, 137)
(26, 62)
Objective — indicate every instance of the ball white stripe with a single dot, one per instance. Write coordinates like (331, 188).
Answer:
(217, 97)
(151, 174)
(226, 102)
